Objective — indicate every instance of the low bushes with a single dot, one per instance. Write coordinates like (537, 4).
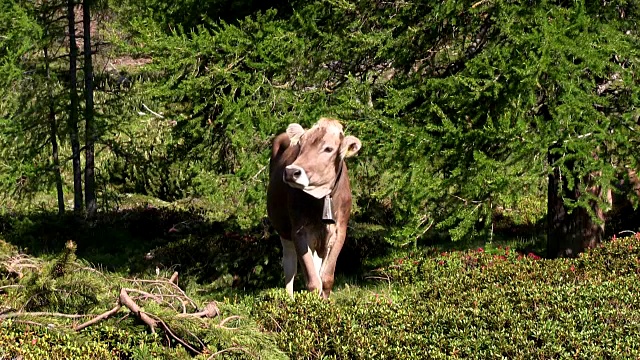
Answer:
(485, 303)
(475, 304)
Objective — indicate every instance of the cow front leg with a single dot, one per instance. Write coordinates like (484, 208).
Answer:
(307, 260)
(289, 264)
(335, 241)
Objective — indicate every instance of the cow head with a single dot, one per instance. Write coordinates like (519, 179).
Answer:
(322, 149)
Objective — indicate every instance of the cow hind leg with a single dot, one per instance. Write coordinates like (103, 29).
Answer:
(289, 264)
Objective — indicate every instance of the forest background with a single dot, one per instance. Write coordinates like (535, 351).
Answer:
(470, 112)
(141, 130)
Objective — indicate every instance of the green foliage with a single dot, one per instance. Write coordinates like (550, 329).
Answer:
(20, 34)
(36, 291)
(474, 304)
(33, 342)
(463, 107)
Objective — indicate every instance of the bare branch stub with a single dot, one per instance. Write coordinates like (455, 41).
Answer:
(210, 311)
(174, 278)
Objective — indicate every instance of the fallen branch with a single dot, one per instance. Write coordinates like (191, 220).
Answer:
(86, 268)
(126, 300)
(51, 314)
(15, 265)
(99, 318)
(153, 112)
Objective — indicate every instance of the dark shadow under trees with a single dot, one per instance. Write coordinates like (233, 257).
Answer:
(136, 241)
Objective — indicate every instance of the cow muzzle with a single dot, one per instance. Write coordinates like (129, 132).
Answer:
(296, 177)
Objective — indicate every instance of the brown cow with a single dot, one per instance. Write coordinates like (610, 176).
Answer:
(309, 199)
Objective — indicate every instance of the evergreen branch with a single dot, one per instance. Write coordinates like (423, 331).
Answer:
(166, 283)
(231, 349)
(168, 331)
(226, 320)
(11, 286)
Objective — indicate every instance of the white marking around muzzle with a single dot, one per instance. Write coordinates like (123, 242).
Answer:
(302, 181)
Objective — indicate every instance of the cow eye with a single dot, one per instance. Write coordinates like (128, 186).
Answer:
(328, 149)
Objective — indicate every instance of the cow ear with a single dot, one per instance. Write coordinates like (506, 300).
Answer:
(295, 132)
(350, 146)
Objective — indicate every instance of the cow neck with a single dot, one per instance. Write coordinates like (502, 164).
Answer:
(327, 208)
(338, 176)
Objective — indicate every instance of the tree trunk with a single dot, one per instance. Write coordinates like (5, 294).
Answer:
(90, 131)
(54, 137)
(73, 109)
(570, 233)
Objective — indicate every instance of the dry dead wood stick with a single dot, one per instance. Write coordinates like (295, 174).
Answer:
(202, 345)
(98, 318)
(21, 314)
(126, 300)
(211, 310)
(174, 278)
(184, 307)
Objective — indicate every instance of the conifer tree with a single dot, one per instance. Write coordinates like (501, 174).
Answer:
(32, 104)
(90, 126)
(73, 119)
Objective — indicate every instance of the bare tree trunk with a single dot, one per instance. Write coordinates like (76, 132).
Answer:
(556, 213)
(570, 233)
(54, 136)
(90, 131)
(623, 215)
(73, 109)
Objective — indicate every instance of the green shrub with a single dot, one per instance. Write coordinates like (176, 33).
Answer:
(35, 342)
(474, 304)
